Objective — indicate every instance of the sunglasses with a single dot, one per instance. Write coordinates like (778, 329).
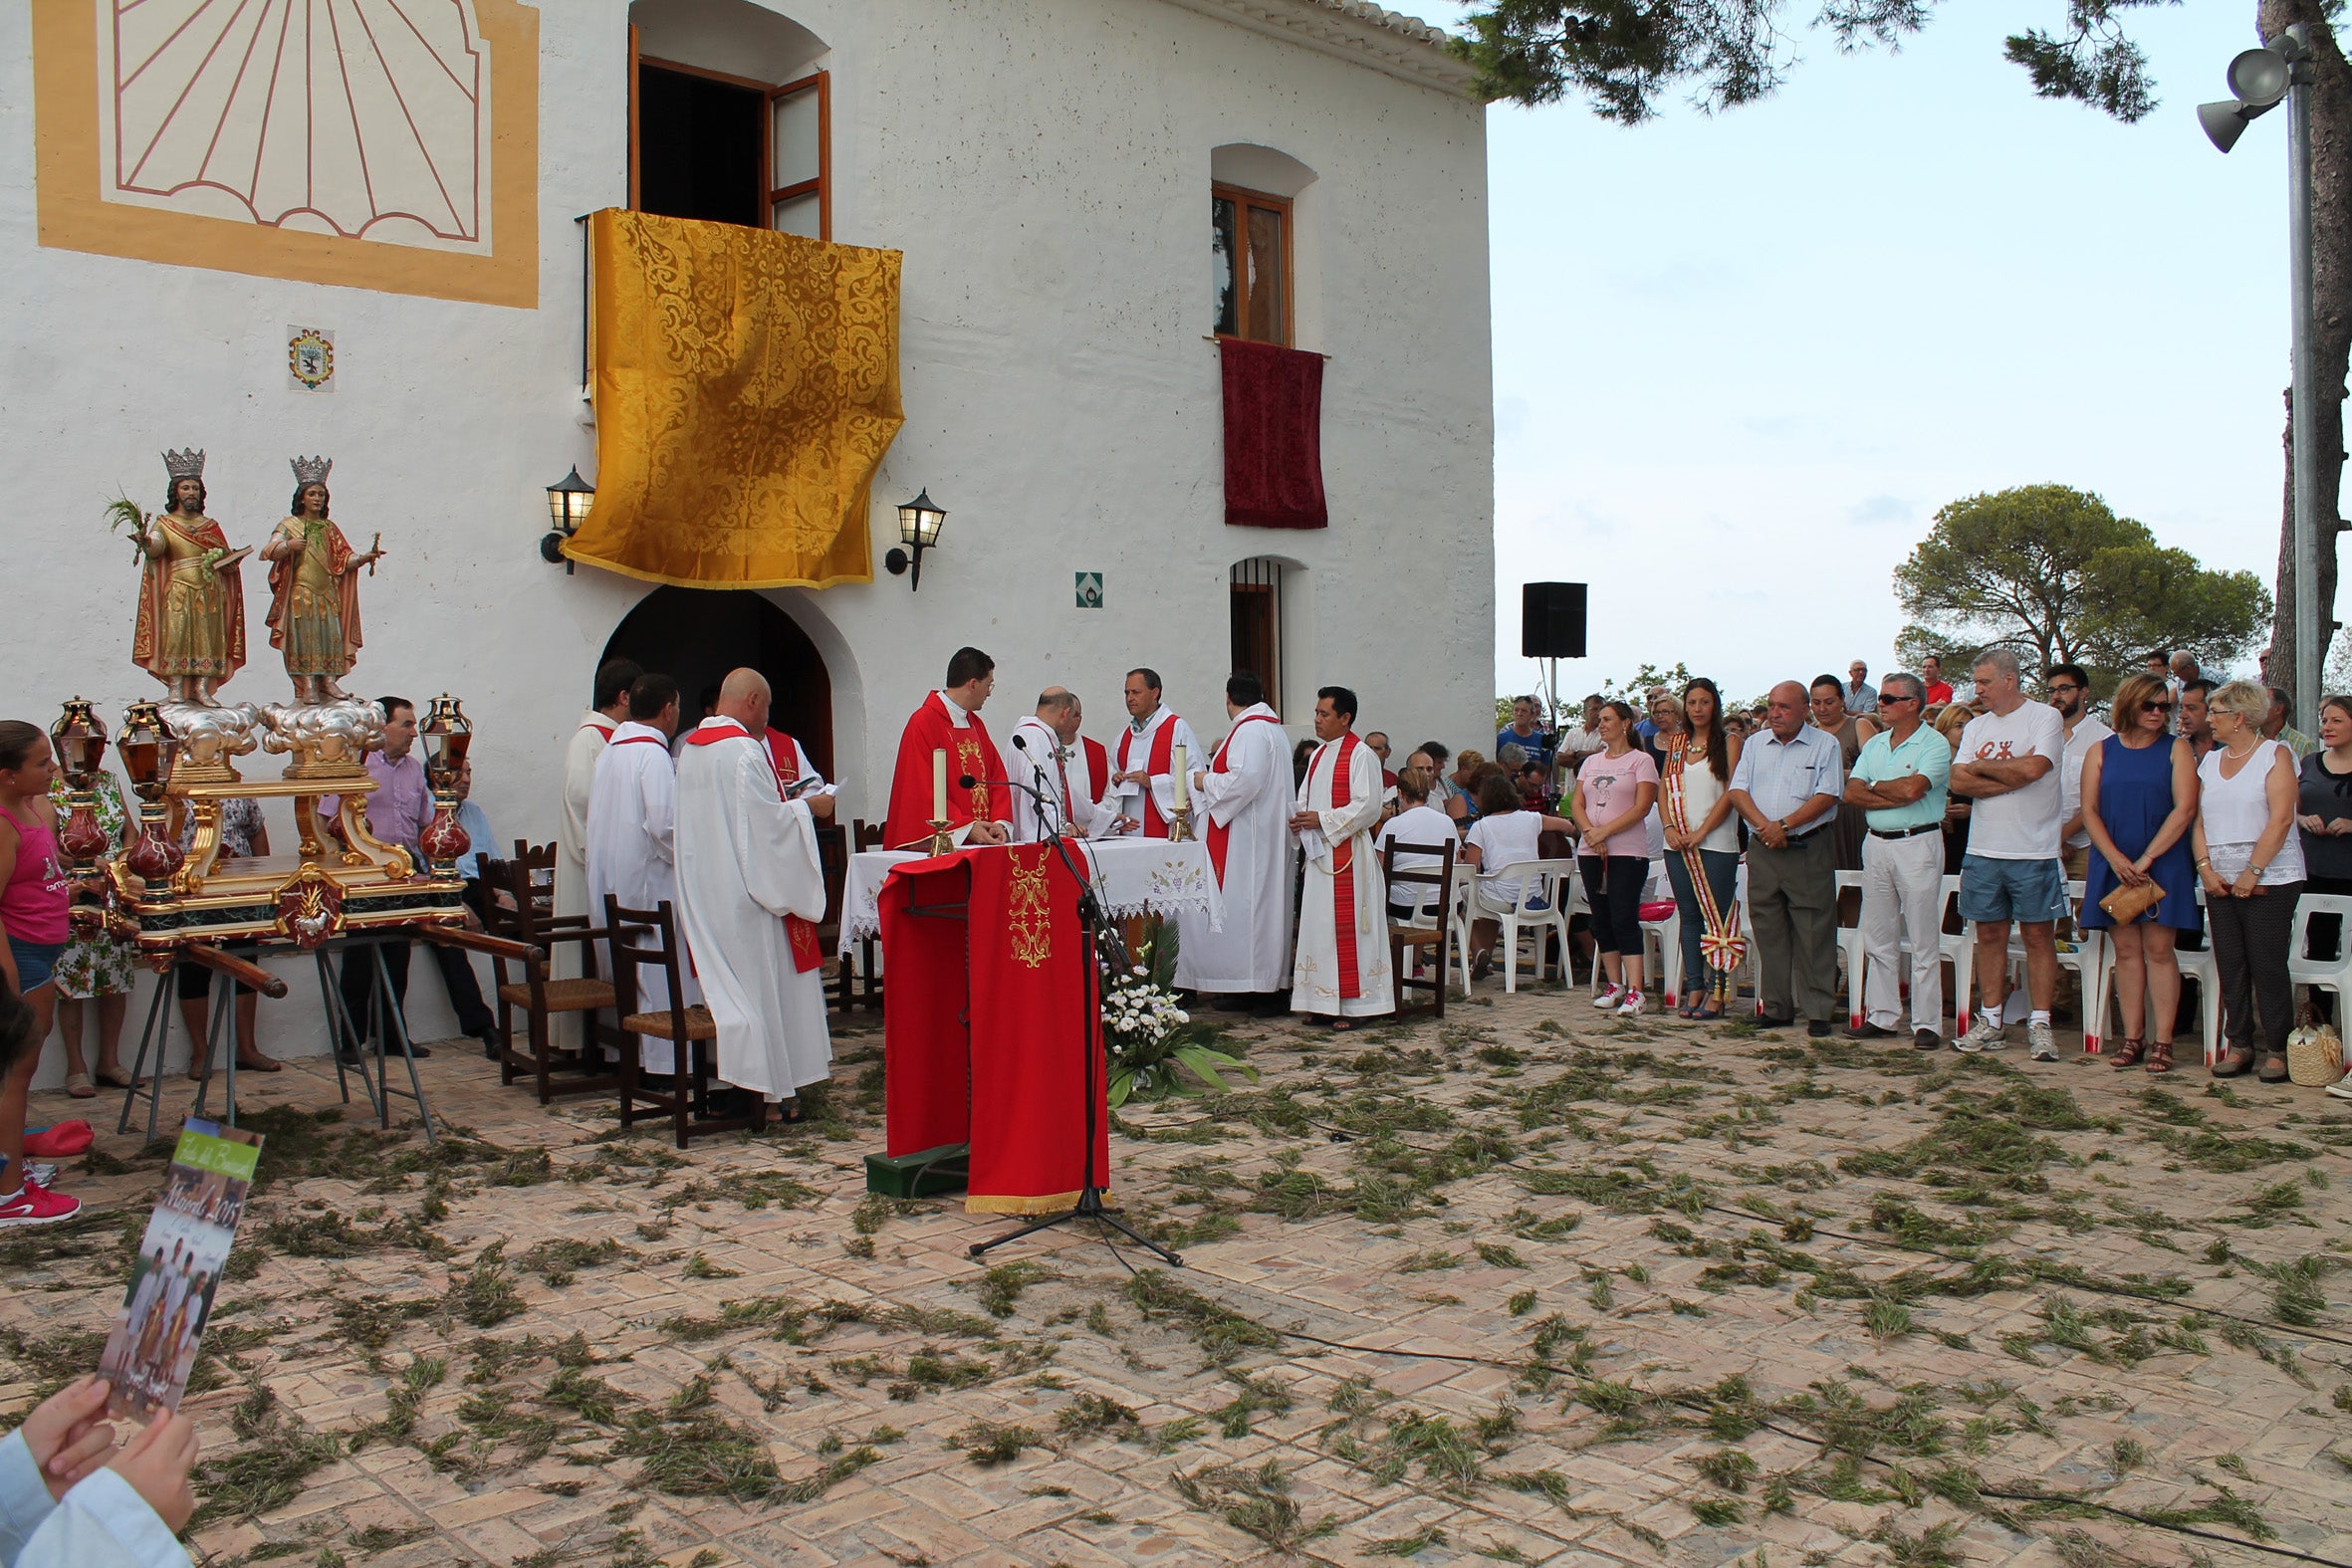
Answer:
(2156, 707)
(1884, 698)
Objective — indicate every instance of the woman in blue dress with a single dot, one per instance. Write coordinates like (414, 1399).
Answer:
(2138, 796)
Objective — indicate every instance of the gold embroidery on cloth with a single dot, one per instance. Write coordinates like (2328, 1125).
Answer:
(746, 388)
(968, 761)
(1029, 913)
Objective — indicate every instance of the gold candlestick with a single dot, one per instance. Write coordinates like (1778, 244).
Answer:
(941, 844)
(1180, 825)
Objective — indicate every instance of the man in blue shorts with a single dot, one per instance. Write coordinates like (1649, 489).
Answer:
(2007, 765)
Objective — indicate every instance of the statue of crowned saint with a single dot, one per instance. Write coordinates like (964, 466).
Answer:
(190, 633)
(314, 590)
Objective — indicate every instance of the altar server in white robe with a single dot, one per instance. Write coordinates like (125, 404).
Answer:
(1143, 763)
(1341, 967)
(1242, 797)
(631, 837)
(1044, 752)
(751, 888)
(609, 711)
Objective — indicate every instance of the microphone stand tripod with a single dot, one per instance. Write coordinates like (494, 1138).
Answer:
(1089, 1203)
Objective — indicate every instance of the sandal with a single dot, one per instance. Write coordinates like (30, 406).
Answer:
(113, 1080)
(2159, 1057)
(2130, 1054)
(78, 1085)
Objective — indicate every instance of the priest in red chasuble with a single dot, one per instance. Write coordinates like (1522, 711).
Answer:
(1341, 966)
(980, 812)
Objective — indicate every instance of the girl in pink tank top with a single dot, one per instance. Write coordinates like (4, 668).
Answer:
(34, 900)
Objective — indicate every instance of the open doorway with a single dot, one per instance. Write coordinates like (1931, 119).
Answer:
(696, 635)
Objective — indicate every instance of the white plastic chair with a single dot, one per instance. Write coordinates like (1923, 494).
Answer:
(2328, 974)
(1850, 950)
(1540, 907)
(1955, 948)
(2094, 963)
(1667, 933)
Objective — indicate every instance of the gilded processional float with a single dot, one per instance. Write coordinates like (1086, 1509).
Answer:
(342, 890)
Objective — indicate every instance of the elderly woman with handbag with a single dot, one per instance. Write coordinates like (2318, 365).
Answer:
(2139, 800)
(2250, 862)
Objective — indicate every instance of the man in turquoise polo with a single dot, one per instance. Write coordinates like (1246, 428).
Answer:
(1900, 778)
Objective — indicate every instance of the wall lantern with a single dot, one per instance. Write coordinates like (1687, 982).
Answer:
(919, 523)
(568, 502)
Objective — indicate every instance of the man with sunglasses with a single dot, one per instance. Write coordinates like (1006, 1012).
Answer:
(2070, 694)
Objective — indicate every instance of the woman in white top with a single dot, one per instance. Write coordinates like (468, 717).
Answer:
(2251, 865)
(1504, 834)
(1701, 835)
(1416, 822)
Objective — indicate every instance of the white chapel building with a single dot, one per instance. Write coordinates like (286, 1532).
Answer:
(363, 231)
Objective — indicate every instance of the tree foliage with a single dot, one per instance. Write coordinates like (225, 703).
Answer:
(1619, 55)
(2054, 575)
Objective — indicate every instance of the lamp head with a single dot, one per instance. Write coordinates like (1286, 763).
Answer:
(919, 521)
(2259, 78)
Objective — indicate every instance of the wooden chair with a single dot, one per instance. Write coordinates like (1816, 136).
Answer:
(648, 939)
(1416, 937)
(519, 907)
(864, 835)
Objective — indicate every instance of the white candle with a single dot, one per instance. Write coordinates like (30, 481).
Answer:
(938, 784)
(1183, 782)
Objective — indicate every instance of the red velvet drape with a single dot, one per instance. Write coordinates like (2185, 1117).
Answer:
(1274, 436)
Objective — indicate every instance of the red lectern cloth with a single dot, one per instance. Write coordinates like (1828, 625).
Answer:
(1274, 436)
(926, 1053)
(993, 1053)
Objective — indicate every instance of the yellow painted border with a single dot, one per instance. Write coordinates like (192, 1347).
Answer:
(75, 217)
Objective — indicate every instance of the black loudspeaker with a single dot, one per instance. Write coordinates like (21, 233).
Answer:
(1551, 620)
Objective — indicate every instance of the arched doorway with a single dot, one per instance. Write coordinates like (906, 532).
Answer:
(696, 635)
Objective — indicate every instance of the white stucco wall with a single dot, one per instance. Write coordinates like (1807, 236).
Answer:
(1044, 164)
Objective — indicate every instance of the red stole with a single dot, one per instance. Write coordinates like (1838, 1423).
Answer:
(808, 953)
(1097, 766)
(785, 753)
(1163, 743)
(1219, 833)
(605, 730)
(642, 740)
(1342, 861)
(969, 750)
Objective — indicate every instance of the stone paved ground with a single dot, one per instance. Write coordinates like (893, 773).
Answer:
(1529, 1286)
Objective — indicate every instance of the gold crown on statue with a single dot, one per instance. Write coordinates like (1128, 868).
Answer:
(311, 470)
(184, 465)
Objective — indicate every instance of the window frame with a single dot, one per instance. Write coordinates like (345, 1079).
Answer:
(822, 188)
(771, 95)
(1243, 199)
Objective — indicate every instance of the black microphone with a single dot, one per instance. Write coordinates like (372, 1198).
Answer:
(1019, 742)
(968, 782)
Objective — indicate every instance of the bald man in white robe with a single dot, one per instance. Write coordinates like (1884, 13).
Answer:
(751, 888)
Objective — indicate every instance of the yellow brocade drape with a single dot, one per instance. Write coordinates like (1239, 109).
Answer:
(746, 389)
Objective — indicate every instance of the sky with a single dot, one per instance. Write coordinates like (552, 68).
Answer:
(1740, 359)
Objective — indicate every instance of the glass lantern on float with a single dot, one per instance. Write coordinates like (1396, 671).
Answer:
(80, 740)
(149, 749)
(446, 733)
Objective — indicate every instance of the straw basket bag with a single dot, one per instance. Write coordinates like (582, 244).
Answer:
(2314, 1057)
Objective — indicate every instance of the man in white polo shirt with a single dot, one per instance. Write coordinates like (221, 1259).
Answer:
(2007, 765)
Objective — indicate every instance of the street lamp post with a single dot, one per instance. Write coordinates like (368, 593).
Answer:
(2259, 78)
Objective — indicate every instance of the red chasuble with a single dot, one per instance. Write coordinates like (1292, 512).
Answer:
(1163, 752)
(1220, 833)
(1097, 768)
(802, 934)
(969, 750)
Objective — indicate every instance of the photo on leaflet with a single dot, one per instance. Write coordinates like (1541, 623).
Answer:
(162, 1320)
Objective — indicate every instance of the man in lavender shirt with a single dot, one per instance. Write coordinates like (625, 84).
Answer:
(397, 811)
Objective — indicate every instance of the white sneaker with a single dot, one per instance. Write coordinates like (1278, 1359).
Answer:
(2342, 1087)
(1631, 1007)
(1608, 998)
(2041, 1046)
(1983, 1034)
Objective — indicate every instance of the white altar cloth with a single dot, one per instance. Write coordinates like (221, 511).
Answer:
(1133, 877)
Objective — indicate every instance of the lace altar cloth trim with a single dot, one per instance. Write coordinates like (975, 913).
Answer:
(1133, 877)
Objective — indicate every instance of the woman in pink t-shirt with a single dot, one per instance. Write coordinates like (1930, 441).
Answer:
(33, 898)
(1615, 790)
